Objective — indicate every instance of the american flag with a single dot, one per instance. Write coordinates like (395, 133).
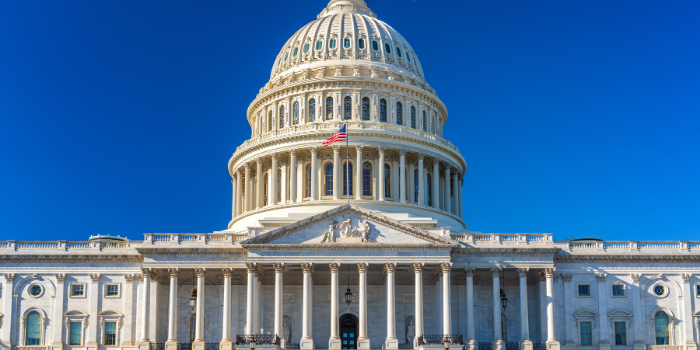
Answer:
(339, 136)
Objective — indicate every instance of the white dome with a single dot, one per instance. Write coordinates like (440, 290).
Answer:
(347, 31)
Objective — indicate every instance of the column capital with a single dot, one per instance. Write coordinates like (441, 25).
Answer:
(173, 271)
(251, 267)
(336, 148)
(258, 161)
(421, 156)
(549, 272)
(154, 274)
(418, 267)
(686, 277)
(95, 277)
(279, 267)
(200, 271)
(566, 277)
(359, 148)
(335, 267)
(522, 272)
(470, 271)
(293, 153)
(313, 149)
(381, 149)
(246, 167)
(362, 267)
(402, 152)
(228, 271)
(307, 267)
(445, 268)
(274, 156)
(635, 277)
(496, 272)
(60, 277)
(390, 267)
(146, 271)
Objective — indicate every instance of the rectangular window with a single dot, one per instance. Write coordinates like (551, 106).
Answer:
(77, 290)
(586, 334)
(110, 333)
(584, 290)
(76, 333)
(620, 333)
(112, 290)
(618, 290)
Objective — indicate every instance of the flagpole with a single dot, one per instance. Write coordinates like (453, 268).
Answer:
(347, 161)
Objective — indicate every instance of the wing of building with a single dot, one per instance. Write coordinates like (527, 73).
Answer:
(360, 245)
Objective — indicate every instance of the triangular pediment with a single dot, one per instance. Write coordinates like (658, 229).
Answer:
(348, 225)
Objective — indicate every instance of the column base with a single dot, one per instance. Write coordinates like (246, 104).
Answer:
(551, 345)
(498, 344)
(56, 346)
(171, 345)
(639, 345)
(569, 345)
(143, 345)
(198, 345)
(691, 345)
(307, 343)
(335, 343)
(471, 344)
(526, 344)
(223, 345)
(391, 343)
(363, 343)
(604, 345)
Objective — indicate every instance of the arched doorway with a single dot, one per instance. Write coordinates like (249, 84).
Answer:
(348, 331)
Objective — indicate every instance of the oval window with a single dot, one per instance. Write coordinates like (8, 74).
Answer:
(347, 43)
(319, 45)
(361, 44)
(296, 51)
(35, 290)
(286, 56)
(332, 43)
(306, 48)
(387, 48)
(398, 51)
(375, 45)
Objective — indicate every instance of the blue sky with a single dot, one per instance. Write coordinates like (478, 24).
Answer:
(575, 117)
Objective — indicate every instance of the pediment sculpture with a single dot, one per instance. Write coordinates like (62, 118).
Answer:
(348, 234)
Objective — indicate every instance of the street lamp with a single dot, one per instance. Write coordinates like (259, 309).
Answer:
(348, 294)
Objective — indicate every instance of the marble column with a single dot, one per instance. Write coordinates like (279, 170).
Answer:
(421, 180)
(471, 343)
(688, 317)
(402, 176)
(395, 179)
(246, 194)
(411, 186)
(446, 298)
(314, 173)
(6, 331)
(337, 165)
(235, 198)
(359, 188)
(436, 184)
(259, 184)
(380, 178)
(448, 188)
(279, 307)
(418, 270)
(570, 329)
(306, 341)
(226, 342)
(171, 343)
(257, 302)
(334, 341)
(58, 310)
(293, 176)
(143, 343)
(391, 341)
(460, 196)
(198, 343)
(498, 343)
(455, 191)
(525, 342)
(284, 183)
(273, 183)
(552, 342)
(250, 294)
(363, 339)
(604, 340)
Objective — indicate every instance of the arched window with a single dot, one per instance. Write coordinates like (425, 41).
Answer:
(413, 117)
(312, 110)
(361, 44)
(387, 181)
(319, 45)
(307, 47)
(193, 327)
(286, 56)
(33, 328)
(296, 51)
(398, 51)
(375, 45)
(281, 117)
(425, 123)
(382, 110)
(269, 121)
(399, 113)
(408, 57)
(415, 187)
(429, 190)
(347, 106)
(367, 179)
(347, 43)
(328, 191)
(387, 48)
(365, 108)
(329, 108)
(661, 326)
(333, 43)
(308, 181)
(347, 170)
(296, 113)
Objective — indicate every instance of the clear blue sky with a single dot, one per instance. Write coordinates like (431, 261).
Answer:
(575, 117)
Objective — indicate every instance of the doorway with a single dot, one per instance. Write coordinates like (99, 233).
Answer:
(348, 331)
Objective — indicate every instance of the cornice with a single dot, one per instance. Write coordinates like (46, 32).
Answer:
(609, 258)
(73, 259)
(533, 252)
(228, 252)
(347, 247)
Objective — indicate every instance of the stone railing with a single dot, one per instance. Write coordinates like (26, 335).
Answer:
(206, 238)
(666, 347)
(267, 339)
(433, 339)
(64, 245)
(632, 246)
(503, 238)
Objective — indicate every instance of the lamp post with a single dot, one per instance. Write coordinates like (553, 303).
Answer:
(348, 294)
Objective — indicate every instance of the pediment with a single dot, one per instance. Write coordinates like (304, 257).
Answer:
(75, 313)
(348, 226)
(585, 313)
(111, 313)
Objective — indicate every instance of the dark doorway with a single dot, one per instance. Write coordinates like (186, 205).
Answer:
(348, 331)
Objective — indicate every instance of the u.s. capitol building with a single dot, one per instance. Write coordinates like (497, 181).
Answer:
(298, 267)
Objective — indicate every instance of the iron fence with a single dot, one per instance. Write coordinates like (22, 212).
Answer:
(433, 339)
(513, 346)
(486, 346)
(539, 346)
(268, 339)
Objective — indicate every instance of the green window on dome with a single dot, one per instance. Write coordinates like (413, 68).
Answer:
(361, 44)
(332, 43)
(306, 47)
(347, 43)
(319, 45)
(375, 45)
(286, 56)
(408, 57)
(387, 48)
(398, 51)
(296, 51)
